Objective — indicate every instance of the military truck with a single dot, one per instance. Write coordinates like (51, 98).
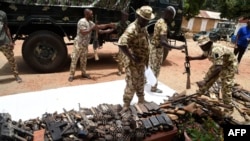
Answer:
(223, 30)
(47, 27)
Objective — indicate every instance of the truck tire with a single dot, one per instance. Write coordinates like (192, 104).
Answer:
(44, 51)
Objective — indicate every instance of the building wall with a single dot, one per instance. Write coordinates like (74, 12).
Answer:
(197, 24)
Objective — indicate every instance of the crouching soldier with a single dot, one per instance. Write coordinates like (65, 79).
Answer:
(224, 67)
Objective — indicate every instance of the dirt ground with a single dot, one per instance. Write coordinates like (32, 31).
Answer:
(172, 71)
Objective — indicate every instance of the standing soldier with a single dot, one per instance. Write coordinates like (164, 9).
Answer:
(134, 43)
(159, 41)
(223, 68)
(85, 26)
(7, 45)
(120, 28)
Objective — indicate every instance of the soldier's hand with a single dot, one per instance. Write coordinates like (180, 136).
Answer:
(135, 58)
(188, 58)
(112, 25)
(201, 83)
(95, 27)
(182, 47)
(11, 45)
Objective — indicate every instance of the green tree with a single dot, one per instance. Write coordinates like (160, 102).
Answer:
(192, 8)
(230, 9)
(233, 9)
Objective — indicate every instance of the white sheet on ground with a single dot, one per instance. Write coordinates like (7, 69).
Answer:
(31, 105)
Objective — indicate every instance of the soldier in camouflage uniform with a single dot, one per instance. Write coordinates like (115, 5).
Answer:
(120, 28)
(223, 68)
(159, 41)
(7, 45)
(134, 43)
(85, 26)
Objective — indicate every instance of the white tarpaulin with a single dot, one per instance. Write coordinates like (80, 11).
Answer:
(31, 105)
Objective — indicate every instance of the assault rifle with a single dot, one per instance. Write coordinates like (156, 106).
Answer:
(182, 38)
(187, 63)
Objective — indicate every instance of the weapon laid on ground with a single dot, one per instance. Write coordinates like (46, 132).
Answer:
(242, 113)
(9, 131)
(88, 124)
(54, 127)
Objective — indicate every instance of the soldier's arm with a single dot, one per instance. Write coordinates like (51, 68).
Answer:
(83, 28)
(165, 44)
(200, 57)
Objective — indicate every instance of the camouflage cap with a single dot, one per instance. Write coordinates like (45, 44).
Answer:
(146, 12)
(205, 43)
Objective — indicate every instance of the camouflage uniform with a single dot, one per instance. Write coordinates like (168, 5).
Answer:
(156, 50)
(120, 27)
(81, 43)
(4, 44)
(9, 54)
(136, 39)
(220, 55)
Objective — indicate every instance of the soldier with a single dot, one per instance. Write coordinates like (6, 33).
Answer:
(223, 68)
(120, 28)
(7, 45)
(159, 41)
(85, 26)
(134, 43)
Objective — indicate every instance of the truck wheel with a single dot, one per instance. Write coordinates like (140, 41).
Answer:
(44, 51)
(165, 54)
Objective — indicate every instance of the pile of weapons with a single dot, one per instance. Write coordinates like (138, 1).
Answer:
(102, 123)
(209, 105)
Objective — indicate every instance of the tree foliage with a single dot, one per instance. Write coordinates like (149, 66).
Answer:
(192, 8)
(230, 9)
(233, 9)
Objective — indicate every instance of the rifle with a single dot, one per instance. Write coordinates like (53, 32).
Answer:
(187, 63)
(96, 42)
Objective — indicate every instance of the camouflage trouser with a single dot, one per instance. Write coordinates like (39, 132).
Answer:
(227, 82)
(155, 60)
(121, 60)
(78, 51)
(134, 83)
(9, 54)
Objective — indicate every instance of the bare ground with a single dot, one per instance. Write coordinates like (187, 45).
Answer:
(172, 71)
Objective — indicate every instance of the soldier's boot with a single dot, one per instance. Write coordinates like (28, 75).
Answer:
(155, 90)
(71, 78)
(228, 112)
(141, 100)
(18, 79)
(124, 108)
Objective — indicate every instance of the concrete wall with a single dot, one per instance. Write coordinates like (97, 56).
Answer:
(199, 24)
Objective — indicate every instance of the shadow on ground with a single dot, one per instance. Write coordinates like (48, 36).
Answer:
(106, 61)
